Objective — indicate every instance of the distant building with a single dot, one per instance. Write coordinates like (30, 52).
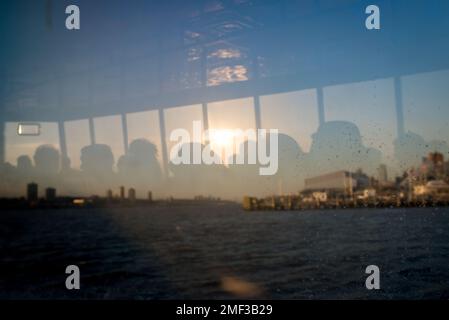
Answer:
(50, 194)
(366, 194)
(32, 192)
(319, 196)
(340, 181)
(436, 188)
(436, 158)
(122, 193)
(362, 179)
(109, 194)
(250, 203)
(150, 196)
(382, 174)
(432, 167)
(132, 194)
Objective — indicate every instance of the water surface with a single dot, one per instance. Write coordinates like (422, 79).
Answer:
(219, 251)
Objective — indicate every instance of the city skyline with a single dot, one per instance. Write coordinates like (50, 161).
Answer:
(140, 168)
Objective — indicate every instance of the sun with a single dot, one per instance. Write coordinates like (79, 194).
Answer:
(222, 143)
(221, 137)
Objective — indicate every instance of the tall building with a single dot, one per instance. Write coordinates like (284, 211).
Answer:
(109, 194)
(50, 194)
(32, 192)
(132, 194)
(432, 167)
(436, 158)
(150, 196)
(122, 193)
(382, 174)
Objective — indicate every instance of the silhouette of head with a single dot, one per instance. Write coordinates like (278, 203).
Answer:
(334, 136)
(97, 159)
(143, 150)
(140, 165)
(337, 145)
(289, 152)
(409, 149)
(124, 163)
(47, 160)
(24, 163)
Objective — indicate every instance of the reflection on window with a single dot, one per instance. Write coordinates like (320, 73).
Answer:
(77, 137)
(16, 146)
(294, 114)
(145, 125)
(227, 74)
(371, 107)
(226, 63)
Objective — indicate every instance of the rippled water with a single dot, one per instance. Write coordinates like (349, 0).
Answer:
(219, 251)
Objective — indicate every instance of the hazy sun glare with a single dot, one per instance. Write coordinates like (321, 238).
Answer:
(222, 137)
(223, 142)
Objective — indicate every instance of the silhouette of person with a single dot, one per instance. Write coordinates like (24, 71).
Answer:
(140, 167)
(337, 145)
(46, 160)
(24, 166)
(97, 159)
(124, 166)
(288, 177)
(47, 165)
(409, 149)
